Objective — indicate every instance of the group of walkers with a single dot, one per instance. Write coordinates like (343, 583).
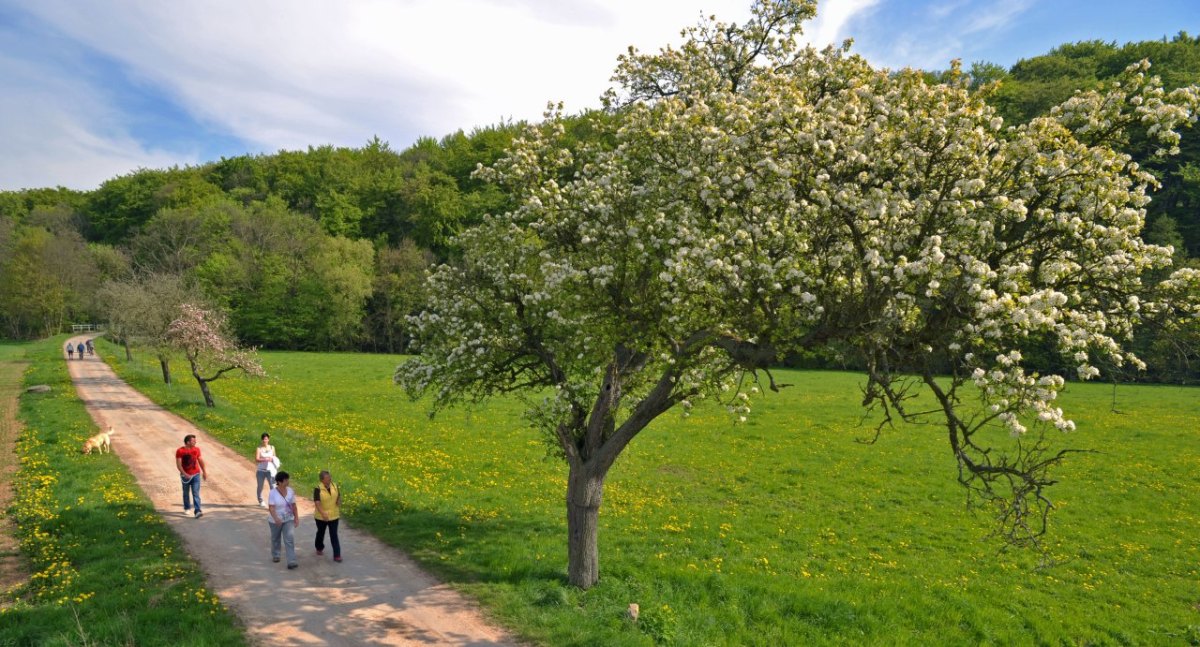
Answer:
(281, 499)
(282, 516)
(80, 348)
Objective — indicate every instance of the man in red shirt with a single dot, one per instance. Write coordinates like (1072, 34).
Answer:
(191, 471)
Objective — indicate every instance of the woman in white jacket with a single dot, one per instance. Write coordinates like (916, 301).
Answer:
(264, 458)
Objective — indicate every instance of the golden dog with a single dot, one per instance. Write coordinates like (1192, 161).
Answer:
(101, 441)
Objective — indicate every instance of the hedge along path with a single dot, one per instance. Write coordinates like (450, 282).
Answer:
(12, 568)
(377, 596)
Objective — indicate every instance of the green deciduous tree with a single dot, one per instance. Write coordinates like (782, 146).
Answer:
(123, 204)
(287, 283)
(398, 292)
(762, 199)
(44, 279)
(178, 240)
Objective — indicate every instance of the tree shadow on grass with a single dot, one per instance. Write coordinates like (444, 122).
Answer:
(504, 551)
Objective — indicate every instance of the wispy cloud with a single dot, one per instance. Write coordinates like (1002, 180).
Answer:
(292, 73)
(62, 129)
(941, 10)
(995, 17)
(98, 88)
(930, 35)
(833, 18)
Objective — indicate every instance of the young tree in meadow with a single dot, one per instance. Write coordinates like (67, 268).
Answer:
(140, 311)
(762, 199)
(211, 351)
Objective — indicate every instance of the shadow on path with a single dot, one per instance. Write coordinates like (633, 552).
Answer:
(377, 596)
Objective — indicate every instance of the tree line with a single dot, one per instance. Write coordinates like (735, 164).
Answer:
(327, 248)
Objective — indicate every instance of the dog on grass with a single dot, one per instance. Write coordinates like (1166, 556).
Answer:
(101, 441)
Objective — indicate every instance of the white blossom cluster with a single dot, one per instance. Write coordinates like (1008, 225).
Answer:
(802, 200)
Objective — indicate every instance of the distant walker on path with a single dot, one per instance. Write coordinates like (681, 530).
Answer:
(264, 471)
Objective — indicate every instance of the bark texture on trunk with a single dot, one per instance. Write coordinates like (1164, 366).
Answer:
(585, 490)
(208, 399)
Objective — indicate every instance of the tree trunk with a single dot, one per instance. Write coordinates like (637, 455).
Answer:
(166, 370)
(128, 353)
(208, 399)
(585, 489)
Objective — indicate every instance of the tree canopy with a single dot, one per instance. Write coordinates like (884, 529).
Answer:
(411, 204)
(755, 199)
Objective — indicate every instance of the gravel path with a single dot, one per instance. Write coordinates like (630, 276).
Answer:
(377, 596)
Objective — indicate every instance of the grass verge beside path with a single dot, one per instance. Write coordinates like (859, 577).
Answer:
(106, 569)
(12, 369)
(780, 531)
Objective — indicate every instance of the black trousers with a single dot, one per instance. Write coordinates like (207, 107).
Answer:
(333, 538)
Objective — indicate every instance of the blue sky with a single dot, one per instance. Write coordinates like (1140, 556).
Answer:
(98, 88)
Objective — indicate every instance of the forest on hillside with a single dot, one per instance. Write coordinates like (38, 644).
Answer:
(326, 249)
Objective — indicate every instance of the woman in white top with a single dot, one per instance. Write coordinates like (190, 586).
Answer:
(264, 457)
(282, 517)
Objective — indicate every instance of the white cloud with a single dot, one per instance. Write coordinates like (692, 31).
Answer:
(293, 73)
(261, 75)
(60, 132)
(930, 35)
(996, 16)
(833, 18)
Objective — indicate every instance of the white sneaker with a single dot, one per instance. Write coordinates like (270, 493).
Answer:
(262, 504)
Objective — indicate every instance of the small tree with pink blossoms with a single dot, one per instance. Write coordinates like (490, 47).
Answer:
(210, 349)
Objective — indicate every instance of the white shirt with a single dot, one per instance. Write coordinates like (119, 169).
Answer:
(283, 505)
(267, 452)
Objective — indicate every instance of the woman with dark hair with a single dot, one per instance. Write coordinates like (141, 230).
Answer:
(282, 517)
(264, 460)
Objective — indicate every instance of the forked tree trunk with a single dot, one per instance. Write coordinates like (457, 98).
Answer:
(585, 489)
(208, 399)
(591, 451)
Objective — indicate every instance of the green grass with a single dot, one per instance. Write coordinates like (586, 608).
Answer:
(12, 371)
(780, 531)
(106, 570)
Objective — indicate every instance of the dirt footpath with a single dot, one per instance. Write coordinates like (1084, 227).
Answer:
(377, 596)
(12, 568)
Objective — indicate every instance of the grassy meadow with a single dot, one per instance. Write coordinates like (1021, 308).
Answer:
(784, 530)
(105, 569)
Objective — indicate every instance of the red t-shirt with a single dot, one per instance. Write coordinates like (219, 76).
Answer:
(190, 459)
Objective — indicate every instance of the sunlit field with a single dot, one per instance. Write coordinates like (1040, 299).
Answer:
(783, 530)
(105, 569)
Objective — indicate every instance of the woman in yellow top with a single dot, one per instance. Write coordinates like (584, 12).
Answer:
(327, 508)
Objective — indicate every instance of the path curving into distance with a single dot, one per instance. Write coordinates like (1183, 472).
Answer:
(377, 596)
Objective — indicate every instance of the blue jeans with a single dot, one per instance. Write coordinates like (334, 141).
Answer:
(285, 532)
(191, 491)
(263, 476)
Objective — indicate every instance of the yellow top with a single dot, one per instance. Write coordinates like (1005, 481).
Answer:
(326, 500)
